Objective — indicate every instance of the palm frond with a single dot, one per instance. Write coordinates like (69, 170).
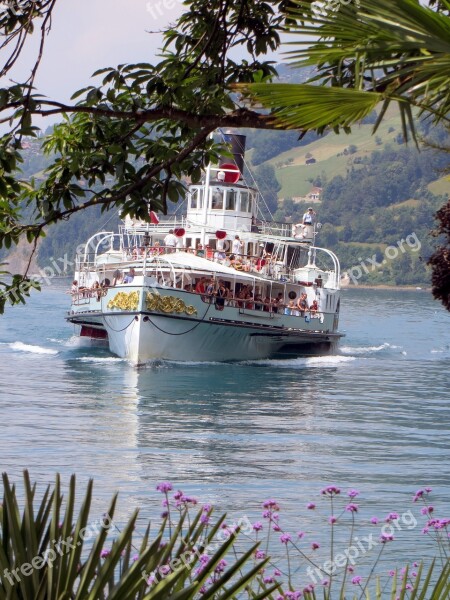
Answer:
(364, 52)
(305, 107)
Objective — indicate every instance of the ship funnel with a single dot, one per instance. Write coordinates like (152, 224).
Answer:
(237, 143)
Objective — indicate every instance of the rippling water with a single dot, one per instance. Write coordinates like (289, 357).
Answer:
(374, 417)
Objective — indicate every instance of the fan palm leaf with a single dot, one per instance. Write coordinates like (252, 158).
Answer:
(364, 52)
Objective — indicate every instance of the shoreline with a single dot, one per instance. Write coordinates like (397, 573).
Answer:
(383, 286)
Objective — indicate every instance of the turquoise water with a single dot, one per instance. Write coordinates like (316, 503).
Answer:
(373, 417)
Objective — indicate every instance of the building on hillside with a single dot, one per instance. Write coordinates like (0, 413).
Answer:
(313, 196)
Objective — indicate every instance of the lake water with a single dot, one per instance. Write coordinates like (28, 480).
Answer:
(373, 417)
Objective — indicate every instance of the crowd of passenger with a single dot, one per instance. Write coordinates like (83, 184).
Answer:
(218, 292)
(212, 290)
(235, 258)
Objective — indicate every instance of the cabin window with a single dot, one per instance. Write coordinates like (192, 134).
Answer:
(231, 198)
(251, 203)
(217, 200)
(244, 202)
(196, 198)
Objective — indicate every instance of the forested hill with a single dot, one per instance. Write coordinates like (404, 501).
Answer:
(376, 191)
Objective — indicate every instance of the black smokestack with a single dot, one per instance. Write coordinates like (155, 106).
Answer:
(237, 143)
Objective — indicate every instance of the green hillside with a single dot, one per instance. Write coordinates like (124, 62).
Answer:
(295, 176)
(376, 192)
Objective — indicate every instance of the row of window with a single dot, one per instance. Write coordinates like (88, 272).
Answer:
(223, 199)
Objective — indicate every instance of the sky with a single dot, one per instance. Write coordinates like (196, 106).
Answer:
(89, 34)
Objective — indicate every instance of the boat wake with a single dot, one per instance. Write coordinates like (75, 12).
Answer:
(313, 361)
(21, 347)
(101, 359)
(358, 350)
(81, 342)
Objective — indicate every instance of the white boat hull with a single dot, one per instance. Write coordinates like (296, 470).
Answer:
(231, 334)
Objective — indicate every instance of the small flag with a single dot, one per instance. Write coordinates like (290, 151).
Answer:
(154, 218)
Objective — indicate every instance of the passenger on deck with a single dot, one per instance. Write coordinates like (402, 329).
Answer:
(309, 217)
(221, 294)
(200, 287)
(74, 289)
(117, 277)
(129, 276)
(314, 307)
(210, 288)
(302, 303)
(237, 245)
(156, 249)
(258, 302)
(290, 308)
(96, 290)
(278, 303)
(200, 251)
(219, 254)
(170, 241)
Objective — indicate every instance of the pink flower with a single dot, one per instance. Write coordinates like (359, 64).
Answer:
(352, 507)
(285, 538)
(272, 504)
(326, 582)
(357, 580)
(276, 527)
(425, 510)
(315, 545)
(350, 569)
(277, 573)
(332, 520)
(257, 526)
(105, 553)
(386, 537)
(331, 490)
(220, 568)
(259, 554)
(164, 487)
(311, 506)
(392, 573)
(352, 493)
(374, 520)
(300, 534)
(393, 516)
